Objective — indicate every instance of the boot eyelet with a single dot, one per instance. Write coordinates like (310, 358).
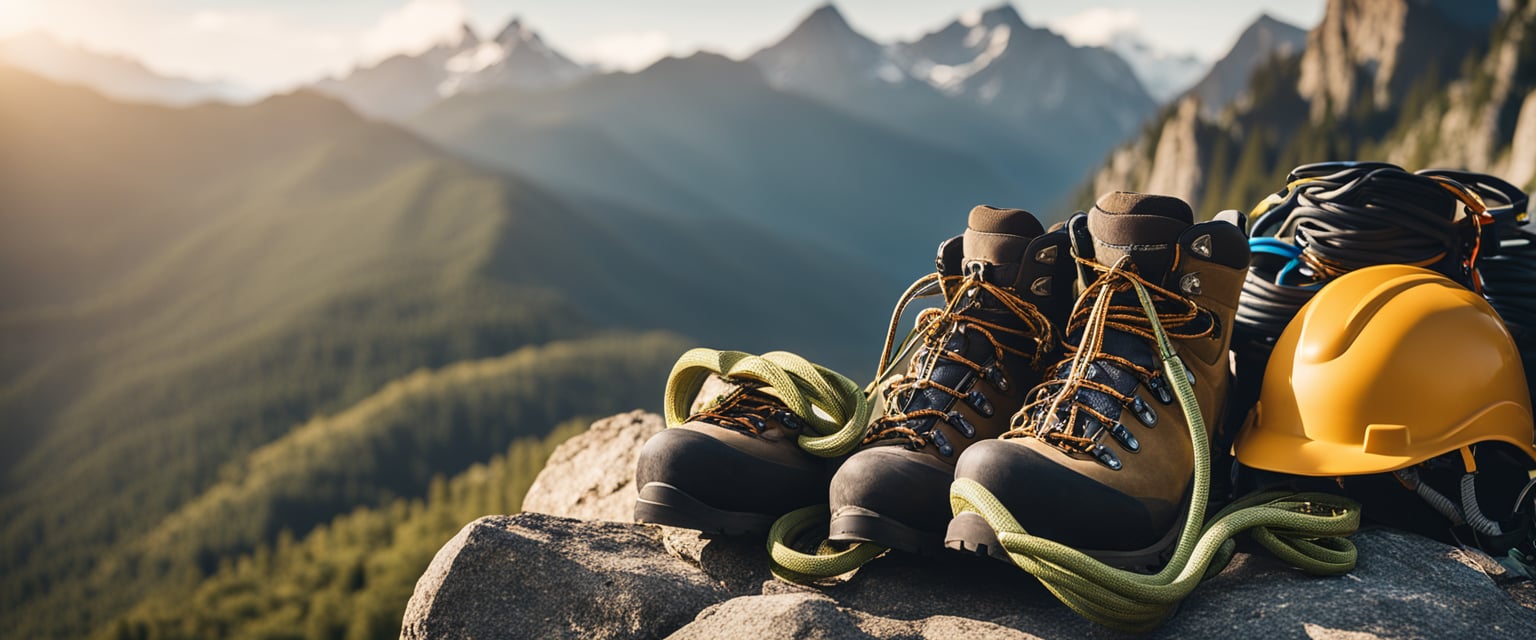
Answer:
(1105, 457)
(979, 402)
(791, 421)
(1041, 286)
(1125, 438)
(1190, 284)
(1155, 384)
(945, 449)
(1092, 427)
(1143, 412)
(996, 377)
(959, 422)
(1202, 246)
(1047, 255)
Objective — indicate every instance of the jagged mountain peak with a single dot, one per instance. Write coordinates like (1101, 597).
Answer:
(1264, 40)
(515, 32)
(825, 14)
(826, 22)
(403, 85)
(1001, 14)
(1265, 20)
(467, 36)
(824, 54)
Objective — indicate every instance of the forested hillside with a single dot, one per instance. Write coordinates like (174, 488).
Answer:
(212, 316)
(349, 578)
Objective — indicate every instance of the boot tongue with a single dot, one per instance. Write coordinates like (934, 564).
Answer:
(999, 236)
(1143, 226)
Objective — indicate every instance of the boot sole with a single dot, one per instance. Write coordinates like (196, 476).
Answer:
(856, 524)
(663, 504)
(971, 533)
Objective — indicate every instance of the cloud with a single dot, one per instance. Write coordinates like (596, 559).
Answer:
(629, 50)
(413, 28)
(1096, 26)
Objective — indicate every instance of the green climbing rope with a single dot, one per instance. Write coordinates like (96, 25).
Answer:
(829, 559)
(799, 383)
(1307, 530)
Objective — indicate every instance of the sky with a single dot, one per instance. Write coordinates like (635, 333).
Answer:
(276, 44)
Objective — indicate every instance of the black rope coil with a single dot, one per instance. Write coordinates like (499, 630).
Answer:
(1336, 217)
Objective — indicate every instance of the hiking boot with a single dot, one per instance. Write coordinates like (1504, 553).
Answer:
(1101, 459)
(1007, 284)
(730, 469)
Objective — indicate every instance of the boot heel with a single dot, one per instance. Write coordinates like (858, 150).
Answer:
(664, 504)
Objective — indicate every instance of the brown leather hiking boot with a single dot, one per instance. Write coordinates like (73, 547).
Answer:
(1007, 284)
(731, 469)
(1101, 458)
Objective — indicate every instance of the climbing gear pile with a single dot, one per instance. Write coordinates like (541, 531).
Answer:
(1401, 379)
(1072, 403)
(961, 373)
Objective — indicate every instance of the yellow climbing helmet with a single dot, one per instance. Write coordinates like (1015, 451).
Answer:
(1386, 367)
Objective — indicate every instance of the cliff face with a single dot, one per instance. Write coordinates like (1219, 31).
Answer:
(1487, 119)
(555, 576)
(1379, 79)
(1168, 161)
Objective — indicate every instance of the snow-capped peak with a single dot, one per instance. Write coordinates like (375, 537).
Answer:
(824, 51)
(1164, 74)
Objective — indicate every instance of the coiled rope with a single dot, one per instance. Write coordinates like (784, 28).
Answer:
(799, 383)
(1336, 217)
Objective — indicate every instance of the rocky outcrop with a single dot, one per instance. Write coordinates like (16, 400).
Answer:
(536, 575)
(1176, 168)
(1168, 160)
(592, 476)
(1371, 52)
(1486, 121)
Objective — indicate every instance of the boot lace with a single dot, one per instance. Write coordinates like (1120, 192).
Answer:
(748, 409)
(934, 326)
(1095, 313)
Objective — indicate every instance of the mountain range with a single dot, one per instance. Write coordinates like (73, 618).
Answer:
(114, 76)
(233, 272)
(235, 333)
(403, 85)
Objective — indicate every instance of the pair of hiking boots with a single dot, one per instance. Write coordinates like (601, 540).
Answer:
(1040, 378)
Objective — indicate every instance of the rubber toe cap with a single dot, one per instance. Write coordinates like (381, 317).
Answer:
(730, 478)
(1053, 501)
